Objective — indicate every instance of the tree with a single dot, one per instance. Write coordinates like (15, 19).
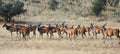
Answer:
(98, 6)
(53, 4)
(8, 10)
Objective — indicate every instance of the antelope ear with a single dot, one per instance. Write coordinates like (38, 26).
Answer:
(78, 25)
(63, 24)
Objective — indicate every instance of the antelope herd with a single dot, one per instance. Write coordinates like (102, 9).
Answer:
(60, 29)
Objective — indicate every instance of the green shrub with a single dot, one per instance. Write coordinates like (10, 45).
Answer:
(53, 4)
(8, 10)
(113, 3)
(1, 2)
(98, 6)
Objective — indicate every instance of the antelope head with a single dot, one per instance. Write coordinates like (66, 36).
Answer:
(39, 24)
(63, 24)
(91, 26)
(78, 26)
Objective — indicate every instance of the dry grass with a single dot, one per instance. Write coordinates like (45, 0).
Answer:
(39, 12)
(57, 46)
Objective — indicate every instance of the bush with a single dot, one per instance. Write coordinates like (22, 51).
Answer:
(113, 3)
(1, 2)
(8, 10)
(98, 6)
(53, 4)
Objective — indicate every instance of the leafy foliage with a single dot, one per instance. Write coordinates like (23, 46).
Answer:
(113, 3)
(98, 6)
(8, 10)
(53, 4)
(1, 2)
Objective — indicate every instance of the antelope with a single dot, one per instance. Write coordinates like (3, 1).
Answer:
(96, 29)
(60, 27)
(81, 30)
(53, 29)
(32, 28)
(43, 29)
(24, 30)
(11, 28)
(109, 32)
(87, 29)
(70, 31)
